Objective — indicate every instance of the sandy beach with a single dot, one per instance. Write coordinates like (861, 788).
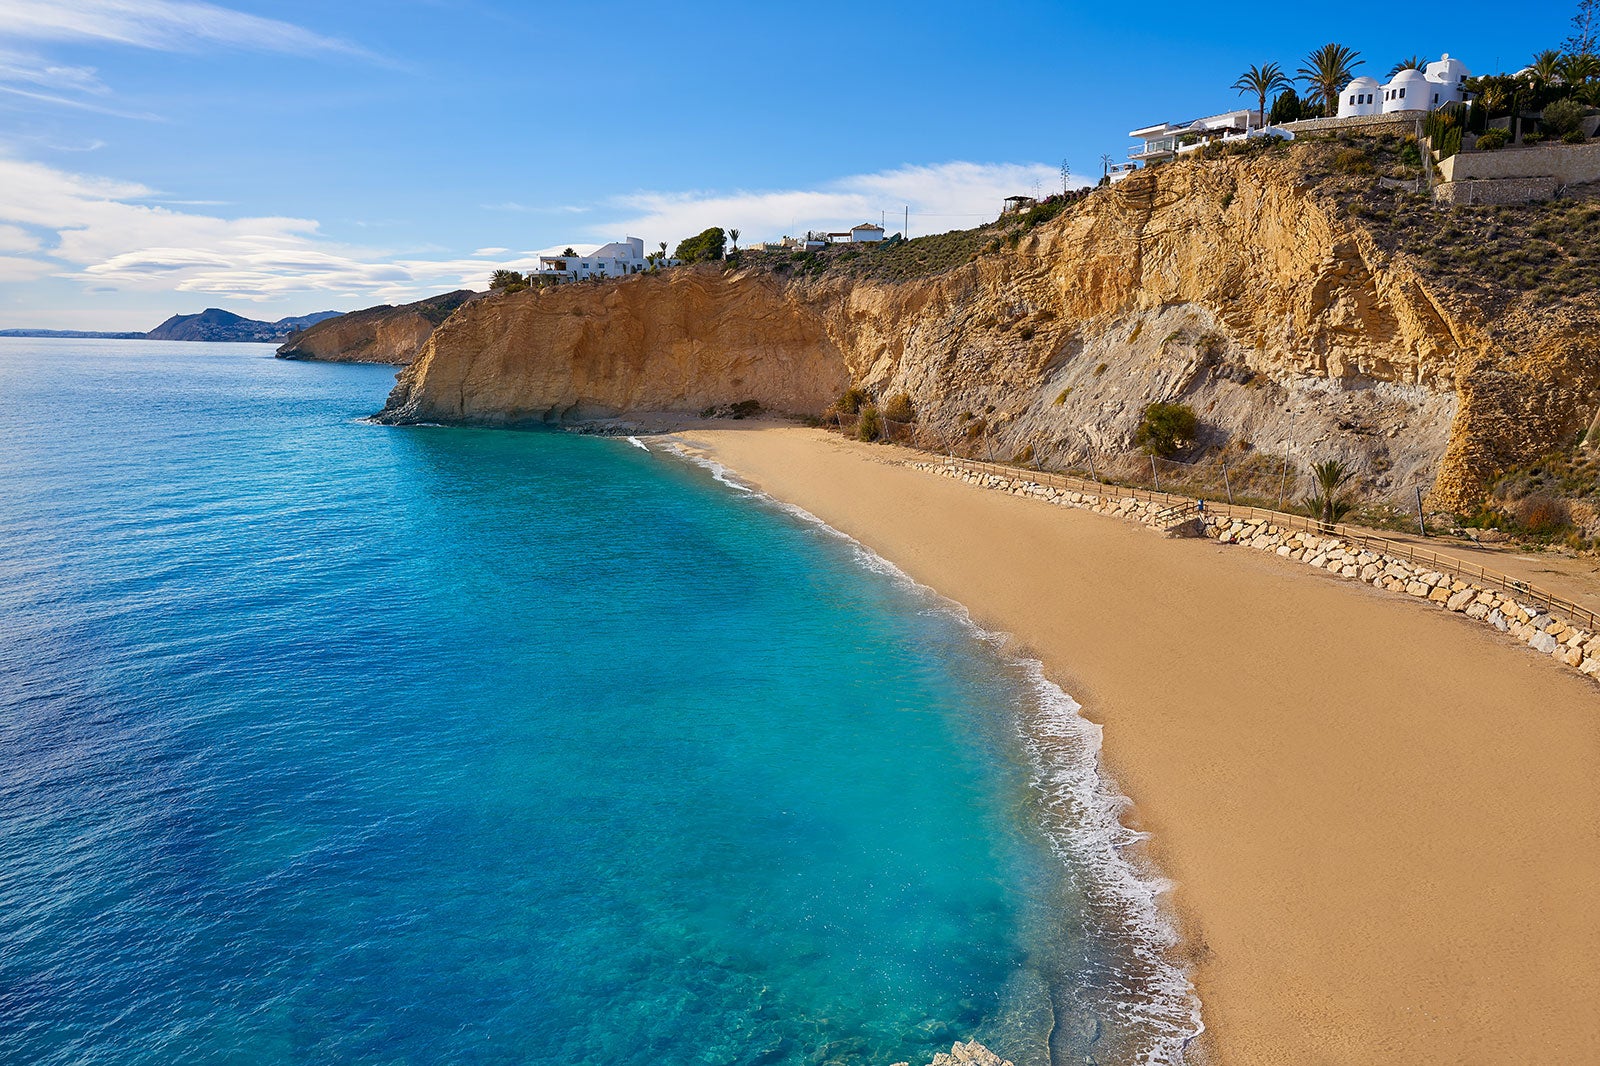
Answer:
(1383, 821)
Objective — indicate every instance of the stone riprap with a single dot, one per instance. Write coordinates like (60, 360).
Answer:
(1531, 623)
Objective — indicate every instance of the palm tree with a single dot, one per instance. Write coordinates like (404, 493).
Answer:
(1545, 68)
(1413, 63)
(733, 235)
(1261, 81)
(1327, 70)
(1326, 503)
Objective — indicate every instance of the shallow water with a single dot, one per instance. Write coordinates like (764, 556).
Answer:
(326, 741)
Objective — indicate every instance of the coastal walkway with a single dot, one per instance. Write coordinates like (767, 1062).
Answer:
(1173, 506)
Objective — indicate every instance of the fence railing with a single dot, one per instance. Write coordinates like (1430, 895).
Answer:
(1462, 569)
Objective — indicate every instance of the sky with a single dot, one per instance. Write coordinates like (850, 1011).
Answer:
(158, 157)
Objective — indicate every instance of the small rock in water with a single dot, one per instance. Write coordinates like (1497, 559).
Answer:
(971, 1053)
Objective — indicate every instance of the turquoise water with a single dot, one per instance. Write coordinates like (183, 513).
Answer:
(331, 742)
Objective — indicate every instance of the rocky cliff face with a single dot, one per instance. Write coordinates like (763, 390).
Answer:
(1235, 285)
(382, 334)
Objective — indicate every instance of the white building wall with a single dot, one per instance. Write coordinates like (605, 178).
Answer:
(1364, 96)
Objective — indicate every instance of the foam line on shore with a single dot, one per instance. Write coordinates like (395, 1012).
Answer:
(1082, 809)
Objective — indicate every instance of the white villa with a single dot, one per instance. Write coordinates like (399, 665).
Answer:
(1167, 139)
(608, 261)
(865, 233)
(1438, 84)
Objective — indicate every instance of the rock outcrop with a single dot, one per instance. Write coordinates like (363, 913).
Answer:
(382, 334)
(1232, 285)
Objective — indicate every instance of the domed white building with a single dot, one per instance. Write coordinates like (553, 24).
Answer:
(1410, 90)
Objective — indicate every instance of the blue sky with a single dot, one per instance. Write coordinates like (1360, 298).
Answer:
(159, 157)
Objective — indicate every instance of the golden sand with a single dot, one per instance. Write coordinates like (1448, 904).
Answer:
(1383, 820)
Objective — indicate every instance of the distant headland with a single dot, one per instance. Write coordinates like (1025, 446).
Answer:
(212, 324)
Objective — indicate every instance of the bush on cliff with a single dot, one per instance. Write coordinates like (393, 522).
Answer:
(507, 281)
(850, 401)
(708, 244)
(898, 408)
(870, 425)
(1166, 428)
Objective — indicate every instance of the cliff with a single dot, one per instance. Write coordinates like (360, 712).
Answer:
(1270, 291)
(382, 334)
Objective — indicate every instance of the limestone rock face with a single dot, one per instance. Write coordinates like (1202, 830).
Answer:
(381, 334)
(1224, 284)
(683, 340)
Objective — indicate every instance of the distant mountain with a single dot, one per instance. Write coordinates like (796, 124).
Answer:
(215, 324)
(73, 334)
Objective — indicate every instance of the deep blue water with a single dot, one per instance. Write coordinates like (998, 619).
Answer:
(330, 742)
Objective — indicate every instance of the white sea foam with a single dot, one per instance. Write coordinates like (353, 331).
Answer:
(637, 443)
(1082, 810)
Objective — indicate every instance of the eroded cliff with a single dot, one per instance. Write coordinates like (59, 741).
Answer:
(1240, 286)
(382, 334)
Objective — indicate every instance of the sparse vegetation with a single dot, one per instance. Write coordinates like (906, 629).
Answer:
(1328, 502)
(1166, 428)
(870, 425)
(851, 400)
(1061, 399)
(898, 408)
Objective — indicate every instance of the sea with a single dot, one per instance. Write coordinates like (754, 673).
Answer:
(323, 741)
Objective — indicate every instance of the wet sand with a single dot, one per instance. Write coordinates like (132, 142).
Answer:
(1382, 820)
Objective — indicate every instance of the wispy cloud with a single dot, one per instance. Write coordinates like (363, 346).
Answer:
(167, 25)
(527, 209)
(942, 196)
(113, 235)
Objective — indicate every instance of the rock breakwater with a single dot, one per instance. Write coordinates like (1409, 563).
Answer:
(1542, 629)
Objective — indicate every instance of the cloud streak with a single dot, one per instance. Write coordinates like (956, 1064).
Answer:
(113, 235)
(164, 25)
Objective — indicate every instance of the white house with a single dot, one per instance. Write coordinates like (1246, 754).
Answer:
(608, 261)
(1441, 82)
(1167, 139)
(862, 234)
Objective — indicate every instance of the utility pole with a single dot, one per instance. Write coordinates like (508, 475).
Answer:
(905, 230)
(1422, 523)
(1283, 483)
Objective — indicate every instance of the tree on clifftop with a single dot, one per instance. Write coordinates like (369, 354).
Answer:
(1328, 70)
(1261, 81)
(706, 245)
(1286, 108)
(507, 281)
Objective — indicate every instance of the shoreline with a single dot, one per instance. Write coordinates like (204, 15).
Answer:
(1348, 888)
(1126, 893)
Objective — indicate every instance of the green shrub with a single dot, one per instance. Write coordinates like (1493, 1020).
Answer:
(898, 408)
(1573, 137)
(1493, 139)
(1352, 161)
(1061, 399)
(870, 424)
(850, 401)
(1562, 117)
(707, 244)
(1410, 154)
(1166, 428)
